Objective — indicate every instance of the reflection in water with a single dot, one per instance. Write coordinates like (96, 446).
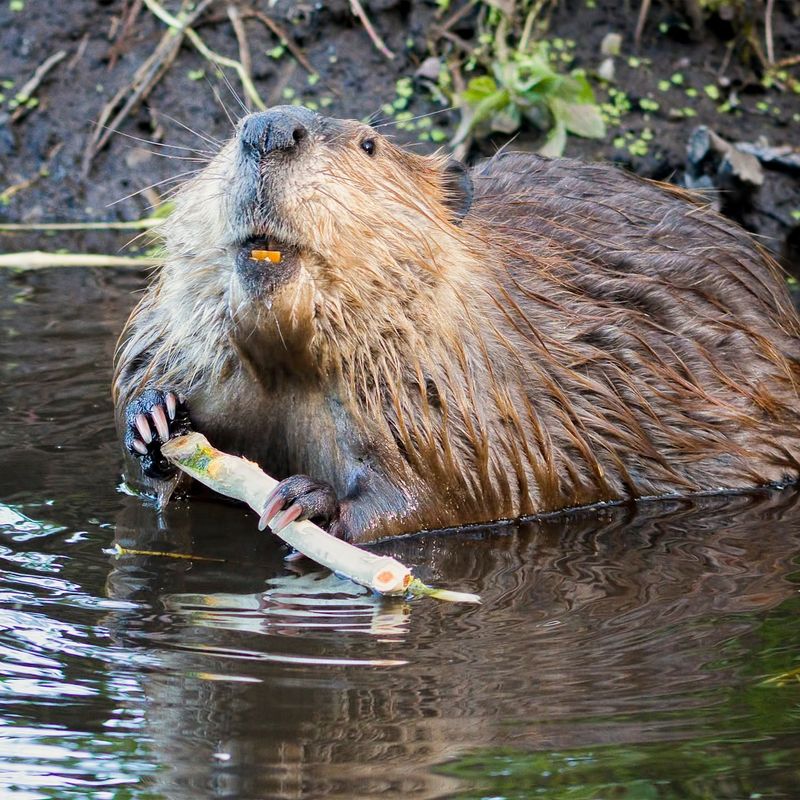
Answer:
(618, 652)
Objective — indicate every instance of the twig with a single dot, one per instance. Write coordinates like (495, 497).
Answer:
(235, 17)
(527, 28)
(768, 31)
(143, 82)
(79, 53)
(276, 29)
(456, 16)
(120, 551)
(792, 61)
(32, 85)
(358, 10)
(727, 58)
(644, 10)
(206, 51)
(243, 480)
(37, 259)
(129, 225)
(8, 193)
(501, 40)
(126, 26)
(755, 43)
(26, 183)
(462, 44)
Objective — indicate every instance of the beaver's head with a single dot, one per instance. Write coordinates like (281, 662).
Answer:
(354, 217)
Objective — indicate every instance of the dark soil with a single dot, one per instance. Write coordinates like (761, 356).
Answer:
(41, 152)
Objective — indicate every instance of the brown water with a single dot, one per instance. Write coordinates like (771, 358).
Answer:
(618, 654)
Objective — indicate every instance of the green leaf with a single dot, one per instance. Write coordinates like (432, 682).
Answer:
(582, 119)
(529, 73)
(489, 106)
(478, 89)
(583, 89)
(556, 141)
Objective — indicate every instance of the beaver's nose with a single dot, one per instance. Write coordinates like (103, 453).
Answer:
(280, 128)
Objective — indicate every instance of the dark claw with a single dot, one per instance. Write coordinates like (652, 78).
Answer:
(296, 498)
(151, 419)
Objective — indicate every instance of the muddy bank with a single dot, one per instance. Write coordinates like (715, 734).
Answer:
(684, 74)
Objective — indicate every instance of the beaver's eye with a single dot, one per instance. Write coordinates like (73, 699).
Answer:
(368, 146)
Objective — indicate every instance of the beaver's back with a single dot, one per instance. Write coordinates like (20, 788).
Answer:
(668, 337)
(611, 224)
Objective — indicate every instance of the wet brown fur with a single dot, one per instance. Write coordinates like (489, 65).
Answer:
(582, 336)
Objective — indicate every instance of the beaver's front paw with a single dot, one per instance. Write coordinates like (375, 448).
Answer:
(151, 419)
(299, 497)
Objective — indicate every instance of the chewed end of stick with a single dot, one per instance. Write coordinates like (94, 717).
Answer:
(392, 577)
(188, 446)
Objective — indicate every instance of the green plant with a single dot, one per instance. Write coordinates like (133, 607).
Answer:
(515, 76)
(526, 86)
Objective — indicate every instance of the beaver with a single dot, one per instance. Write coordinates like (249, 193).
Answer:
(440, 346)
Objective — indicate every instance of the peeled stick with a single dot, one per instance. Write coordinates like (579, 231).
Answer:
(243, 480)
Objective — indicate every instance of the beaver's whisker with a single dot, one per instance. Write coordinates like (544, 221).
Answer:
(171, 179)
(222, 105)
(162, 144)
(372, 118)
(233, 91)
(336, 200)
(500, 150)
(173, 156)
(278, 326)
(413, 119)
(210, 139)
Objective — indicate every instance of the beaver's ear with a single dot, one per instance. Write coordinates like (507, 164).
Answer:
(457, 189)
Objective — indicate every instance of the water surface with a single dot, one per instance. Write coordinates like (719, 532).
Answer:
(622, 653)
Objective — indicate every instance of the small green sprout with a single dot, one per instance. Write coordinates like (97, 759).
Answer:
(638, 148)
(404, 87)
